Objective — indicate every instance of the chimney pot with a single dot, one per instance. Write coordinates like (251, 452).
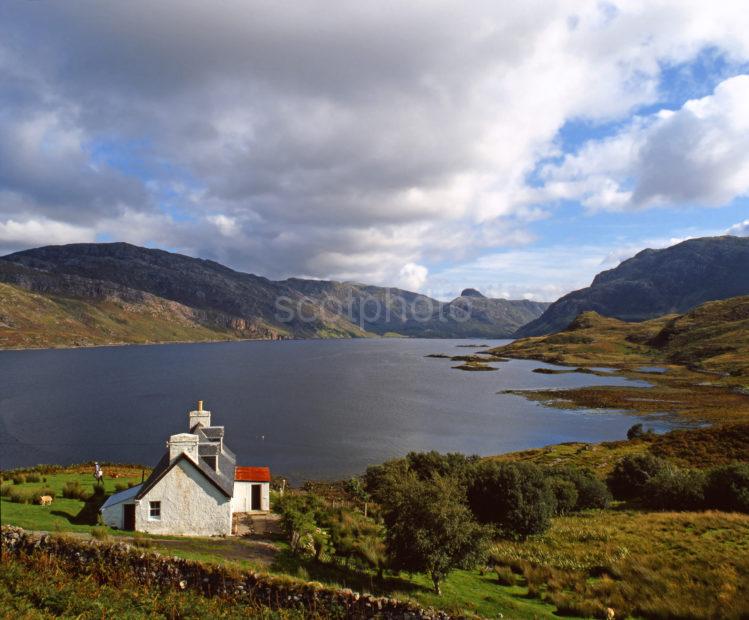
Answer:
(200, 405)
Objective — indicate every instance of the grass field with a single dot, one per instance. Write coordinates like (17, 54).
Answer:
(643, 563)
(69, 515)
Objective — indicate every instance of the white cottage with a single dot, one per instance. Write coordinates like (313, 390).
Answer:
(194, 489)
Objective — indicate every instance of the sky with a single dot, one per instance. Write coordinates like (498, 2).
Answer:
(515, 147)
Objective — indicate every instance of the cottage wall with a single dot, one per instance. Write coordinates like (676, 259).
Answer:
(190, 505)
(114, 516)
(243, 494)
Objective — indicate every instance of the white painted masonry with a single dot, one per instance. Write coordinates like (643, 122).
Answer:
(241, 502)
(194, 489)
(190, 505)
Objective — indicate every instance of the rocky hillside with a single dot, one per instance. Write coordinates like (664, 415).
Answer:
(656, 282)
(390, 310)
(116, 292)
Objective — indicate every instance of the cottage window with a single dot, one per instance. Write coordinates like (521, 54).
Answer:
(154, 511)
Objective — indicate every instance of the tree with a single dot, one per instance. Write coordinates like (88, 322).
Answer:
(631, 474)
(591, 492)
(728, 487)
(635, 432)
(429, 529)
(299, 519)
(675, 489)
(565, 495)
(515, 497)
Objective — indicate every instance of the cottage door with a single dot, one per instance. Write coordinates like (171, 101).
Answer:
(129, 520)
(255, 499)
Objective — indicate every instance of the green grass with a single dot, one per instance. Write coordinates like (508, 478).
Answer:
(70, 515)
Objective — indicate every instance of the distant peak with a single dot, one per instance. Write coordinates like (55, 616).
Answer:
(471, 292)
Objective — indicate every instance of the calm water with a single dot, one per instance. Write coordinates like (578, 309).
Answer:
(308, 409)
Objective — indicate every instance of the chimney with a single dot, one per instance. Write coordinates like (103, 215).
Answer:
(183, 442)
(200, 415)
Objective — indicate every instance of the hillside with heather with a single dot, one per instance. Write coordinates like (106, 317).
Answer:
(86, 294)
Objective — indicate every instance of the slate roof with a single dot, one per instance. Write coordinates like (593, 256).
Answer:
(252, 474)
(213, 432)
(208, 449)
(208, 446)
(122, 496)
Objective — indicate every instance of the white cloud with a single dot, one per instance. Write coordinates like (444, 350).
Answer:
(412, 276)
(41, 231)
(227, 226)
(347, 140)
(739, 230)
(697, 155)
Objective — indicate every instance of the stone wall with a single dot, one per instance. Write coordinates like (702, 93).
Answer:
(104, 560)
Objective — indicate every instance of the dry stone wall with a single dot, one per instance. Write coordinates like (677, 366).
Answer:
(105, 559)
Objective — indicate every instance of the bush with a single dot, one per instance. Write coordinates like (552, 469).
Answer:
(141, 540)
(99, 532)
(19, 479)
(4, 490)
(121, 486)
(727, 488)
(23, 496)
(515, 497)
(74, 490)
(635, 432)
(565, 495)
(33, 478)
(505, 576)
(591, 492)
(631, 474)
(675, 489)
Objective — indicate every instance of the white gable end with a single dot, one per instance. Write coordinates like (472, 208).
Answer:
(184, 502)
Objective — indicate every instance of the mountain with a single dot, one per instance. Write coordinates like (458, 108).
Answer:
(117, 292)
(382, 310)
(656, 282)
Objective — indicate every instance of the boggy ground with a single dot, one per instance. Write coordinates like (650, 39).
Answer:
(703, 356)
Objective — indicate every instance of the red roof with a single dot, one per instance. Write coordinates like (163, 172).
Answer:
(252, 474)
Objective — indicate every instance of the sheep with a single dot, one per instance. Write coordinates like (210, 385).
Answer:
(45, 500)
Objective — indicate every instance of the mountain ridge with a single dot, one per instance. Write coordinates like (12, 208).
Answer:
(654, 283)
(232, 304)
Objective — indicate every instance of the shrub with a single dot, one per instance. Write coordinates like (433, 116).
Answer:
(74, 490)
(635, 432)
(516, 497)
(99, 532)
(505, 576)
(630, 474)
(591, 492)
(565, 495)
(23, 496)
(4, 490)
(727, 488)
(19, 479)
(33, 478)
(141, 540)
(675, 489)
(121, 486)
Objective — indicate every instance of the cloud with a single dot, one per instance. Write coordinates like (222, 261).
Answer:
(413, 276)
(739, 230)
(348, 140)
(697, 155)
(33, 232)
